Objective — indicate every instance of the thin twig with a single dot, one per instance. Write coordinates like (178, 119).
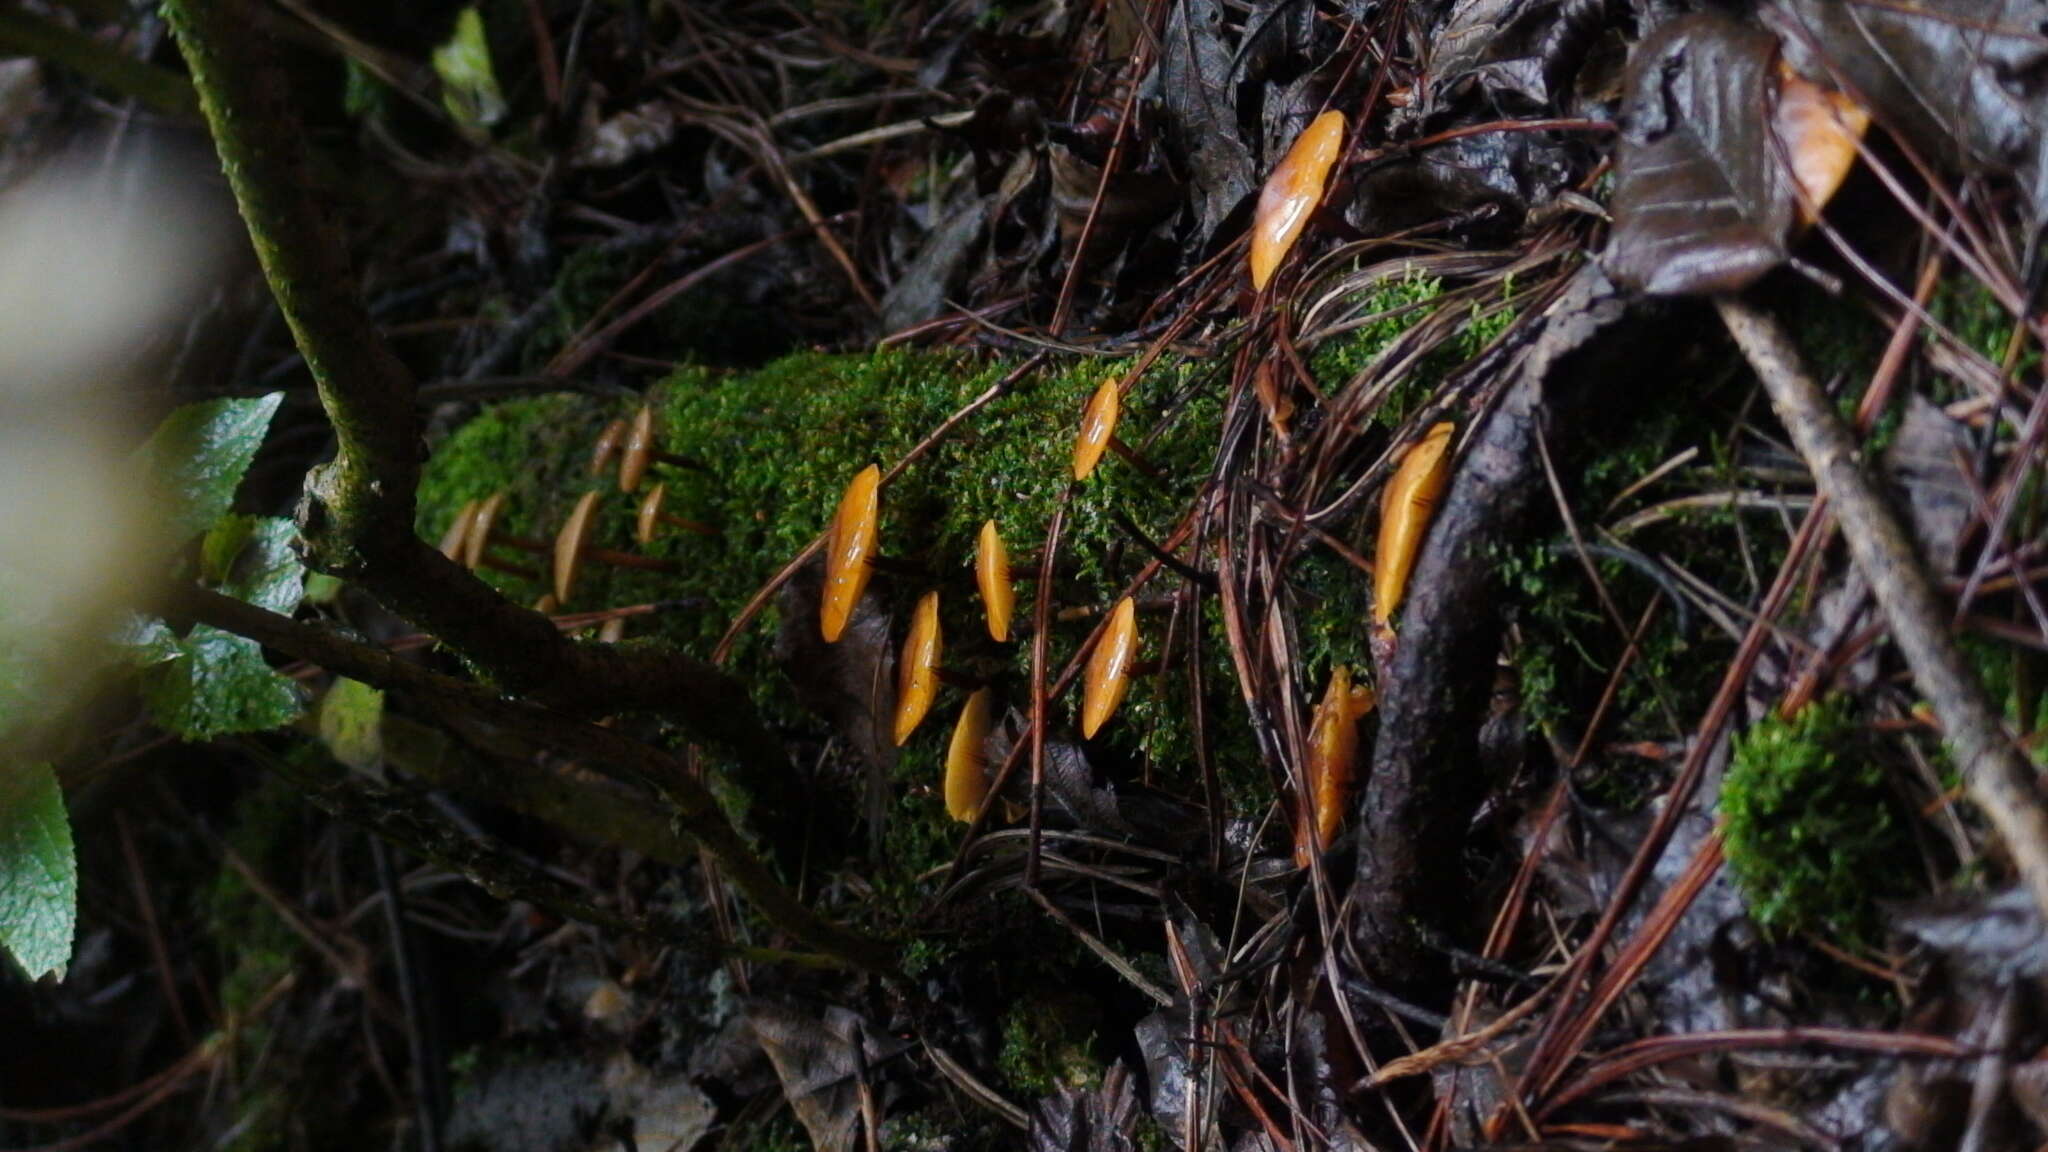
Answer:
(2000, 779)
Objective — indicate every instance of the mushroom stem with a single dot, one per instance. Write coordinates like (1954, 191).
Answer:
(618, 559)
(506, 566)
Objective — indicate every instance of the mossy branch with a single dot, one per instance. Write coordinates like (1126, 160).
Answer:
(600, 747)
(358, 514)
(30, 35)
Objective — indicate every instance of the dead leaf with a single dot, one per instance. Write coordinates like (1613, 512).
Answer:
(1201, 113)
(818, 1067)
(1702, 199)
(1099, 1119)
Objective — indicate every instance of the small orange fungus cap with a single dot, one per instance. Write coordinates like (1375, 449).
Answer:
(1820, 128)
(570, 544)
(1109, 668)
(607, 446)
(1098, 424)
(639, 450)
(966, 766)
(458, 532)
(992, 574)
(847, 549)
(1405, 512)
(1333, 752)
(917, 670)
(1292, 192)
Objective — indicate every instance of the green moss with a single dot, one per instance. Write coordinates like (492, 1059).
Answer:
(536, 449)
(1810, 834)
(1970, 310)
(1390, 308)
(1047, 1045)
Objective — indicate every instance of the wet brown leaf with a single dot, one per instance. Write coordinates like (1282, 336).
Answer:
(1702, 200)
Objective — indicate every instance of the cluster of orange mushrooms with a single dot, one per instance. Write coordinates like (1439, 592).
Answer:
(1289, 198)
(1406, 506)
(631, 447)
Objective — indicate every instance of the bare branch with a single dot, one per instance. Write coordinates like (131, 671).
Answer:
(697, 811)
(358, 514)
(2000, 780)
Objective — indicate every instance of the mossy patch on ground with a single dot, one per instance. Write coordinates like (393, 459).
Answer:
(1810, 833)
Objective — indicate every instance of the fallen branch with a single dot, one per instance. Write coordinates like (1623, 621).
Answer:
(2000, 779)
(358, 512)
(697, 810)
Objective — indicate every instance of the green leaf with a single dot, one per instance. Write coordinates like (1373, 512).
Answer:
(218, 683)
(251, 558)
(322, 588)
(198, 455)
(469, 88)
(38, 871)
(352, 723)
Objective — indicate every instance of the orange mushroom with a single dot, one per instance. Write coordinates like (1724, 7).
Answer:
(1332, 758)
(484, 532)
(992, 573)
(1405, 512)
(917, 670)
(1820, 128)
(473, 532)
(1098, 425)
(1292, 192)
(849, 550)
(966, 764)
(576, 543)
(1109, 668)
(652, 516)
(458, 531)
(607, 446)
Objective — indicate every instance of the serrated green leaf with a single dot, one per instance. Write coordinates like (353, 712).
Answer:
(262, 569)
(38, 870)
(145, 640)
(198, 455)
(218, 683)
(469, 89)
(352, 723)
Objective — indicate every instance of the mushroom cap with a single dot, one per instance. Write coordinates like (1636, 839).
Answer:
(847, 549)
(1405, 512)
(639, 449)
(1109, 668)
(1820, 127)
(1098, 424)
(992, 573)
(1333, 752)
(917, 670)
(570, 544)
(481, 528)
(650, 514)
(1292, 193)
(607, 446)
(612, 631)
(452, 540)
(966, 765)
(547, 604)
